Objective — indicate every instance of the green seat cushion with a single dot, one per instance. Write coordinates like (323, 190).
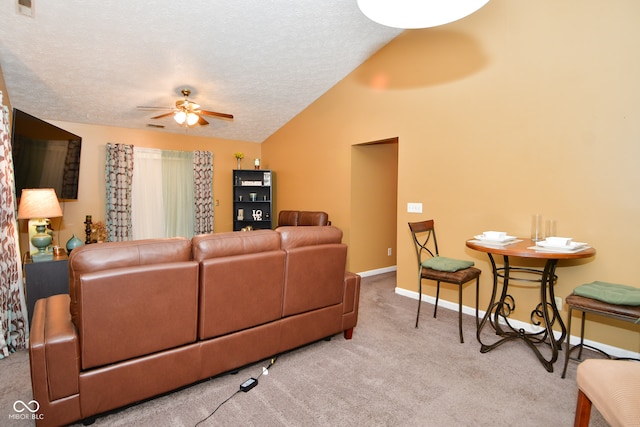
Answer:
(442, 263)
(611, 293)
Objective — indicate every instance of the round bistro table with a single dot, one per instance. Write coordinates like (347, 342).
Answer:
(544, 315)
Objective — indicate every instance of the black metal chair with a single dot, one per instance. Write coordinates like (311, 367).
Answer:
(432, 266)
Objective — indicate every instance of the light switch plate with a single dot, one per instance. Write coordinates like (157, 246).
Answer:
(414, 207)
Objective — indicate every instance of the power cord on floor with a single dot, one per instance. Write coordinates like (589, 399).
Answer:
(244, 387)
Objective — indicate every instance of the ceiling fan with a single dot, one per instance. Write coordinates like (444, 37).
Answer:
(187, 113)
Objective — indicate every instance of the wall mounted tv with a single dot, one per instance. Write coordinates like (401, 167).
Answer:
(44, 156)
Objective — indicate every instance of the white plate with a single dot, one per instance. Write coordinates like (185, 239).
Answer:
(576, 247)
(569, 246)
(494, 243)
(484, 238)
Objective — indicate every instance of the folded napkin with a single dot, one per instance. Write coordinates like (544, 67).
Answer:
(450, 265)
(610, 292)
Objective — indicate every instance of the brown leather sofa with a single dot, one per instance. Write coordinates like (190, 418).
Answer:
(147, 317)
(302, 218)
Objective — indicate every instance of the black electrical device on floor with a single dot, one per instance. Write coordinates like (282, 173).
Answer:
(244, 387)
(248, 384)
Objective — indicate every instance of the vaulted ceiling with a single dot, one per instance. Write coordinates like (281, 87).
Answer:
(90, 61)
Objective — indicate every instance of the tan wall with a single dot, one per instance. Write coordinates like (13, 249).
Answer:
(91, 191)
(523, 107)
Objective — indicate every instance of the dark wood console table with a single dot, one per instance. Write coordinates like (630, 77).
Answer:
(44, 279)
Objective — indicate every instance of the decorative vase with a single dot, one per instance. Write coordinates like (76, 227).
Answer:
(73, 243)
(239, 163)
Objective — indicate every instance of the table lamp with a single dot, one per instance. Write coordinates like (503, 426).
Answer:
(38, 205)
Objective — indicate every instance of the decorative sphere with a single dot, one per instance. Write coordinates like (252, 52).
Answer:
(73, 243)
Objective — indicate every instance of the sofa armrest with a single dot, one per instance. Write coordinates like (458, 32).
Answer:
(351, 301)
(54, 348)
(54, 359)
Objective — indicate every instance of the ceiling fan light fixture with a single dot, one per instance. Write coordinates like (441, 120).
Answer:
(413, 14)
(180, 117)
(192, 119)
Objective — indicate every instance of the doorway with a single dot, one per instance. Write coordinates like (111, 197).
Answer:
(374, 196)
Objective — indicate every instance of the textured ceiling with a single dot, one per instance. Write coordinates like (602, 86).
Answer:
(91, 61)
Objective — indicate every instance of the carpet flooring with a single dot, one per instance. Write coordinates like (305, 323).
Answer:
(389, 374)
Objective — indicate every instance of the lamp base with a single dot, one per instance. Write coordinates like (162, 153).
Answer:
(42, 256)
(42, 242)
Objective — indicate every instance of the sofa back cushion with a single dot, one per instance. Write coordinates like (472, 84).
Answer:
(315, 267)
(106, 256)
(241, 280)
(133, 298)
(288, 218)
(302, 218)
(207, 246)
(133, 311)
(308, 218)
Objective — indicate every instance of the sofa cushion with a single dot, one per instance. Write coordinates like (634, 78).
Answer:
(105, 256)
(302, 218)
(310, 284)
(133, 311)
(288, 218)
(241, 291)
(308, 218)
(293, 237)
(217, 245)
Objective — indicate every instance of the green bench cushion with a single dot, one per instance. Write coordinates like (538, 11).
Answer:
(611, 293)
(441, 263)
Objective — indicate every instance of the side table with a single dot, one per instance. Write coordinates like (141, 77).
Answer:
(44, 279)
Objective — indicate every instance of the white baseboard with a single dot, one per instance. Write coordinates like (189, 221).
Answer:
(613, 351)
(378, 271)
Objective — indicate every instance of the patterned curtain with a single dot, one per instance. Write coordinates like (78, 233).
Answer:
(118, 176)
(14, 332)
(203, 191)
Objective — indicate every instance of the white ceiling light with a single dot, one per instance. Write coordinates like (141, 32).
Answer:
(192, 119)
(180, 117)
(183, 116)
(418, 13)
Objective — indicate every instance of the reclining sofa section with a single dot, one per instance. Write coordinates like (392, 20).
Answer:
(146, 317)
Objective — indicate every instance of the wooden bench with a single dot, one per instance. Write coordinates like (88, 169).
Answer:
(628, 313)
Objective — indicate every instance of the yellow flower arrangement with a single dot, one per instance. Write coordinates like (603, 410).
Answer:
(239, 155)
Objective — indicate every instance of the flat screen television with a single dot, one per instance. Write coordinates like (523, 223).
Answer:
(44, 156)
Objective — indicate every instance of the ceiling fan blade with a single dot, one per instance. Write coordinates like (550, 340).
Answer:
(142, 107)
(202, 121)
(163, 115)
(213, 113)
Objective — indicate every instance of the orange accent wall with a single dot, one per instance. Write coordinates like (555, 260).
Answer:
(521, 108)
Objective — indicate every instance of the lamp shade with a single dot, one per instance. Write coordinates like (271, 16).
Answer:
(418, 13)
(39, 203)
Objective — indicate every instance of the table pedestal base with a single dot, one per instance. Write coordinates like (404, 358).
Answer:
(545, 315)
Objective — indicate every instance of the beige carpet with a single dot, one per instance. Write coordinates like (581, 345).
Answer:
(389, 374)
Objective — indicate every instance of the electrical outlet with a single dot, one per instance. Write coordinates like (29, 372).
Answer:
(388, 251)
(559, 303)
(414, 207)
